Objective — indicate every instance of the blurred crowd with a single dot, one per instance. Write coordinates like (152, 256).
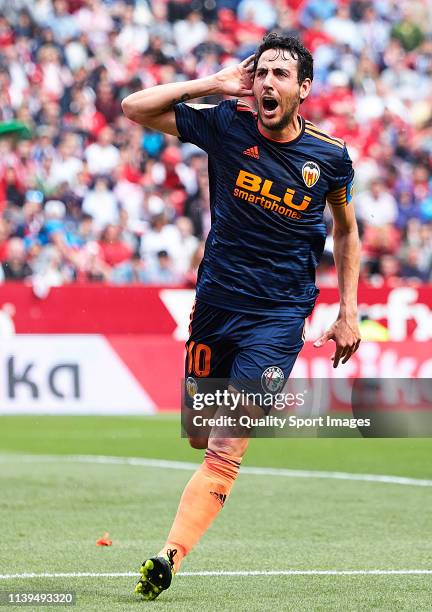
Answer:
(85, 195)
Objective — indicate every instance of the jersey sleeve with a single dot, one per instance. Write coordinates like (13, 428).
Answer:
(341, 183)
(204, 127)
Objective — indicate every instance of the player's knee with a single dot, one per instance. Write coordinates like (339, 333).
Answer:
(198, 443)
(231, 446)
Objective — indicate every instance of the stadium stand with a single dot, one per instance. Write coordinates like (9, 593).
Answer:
(87, 195)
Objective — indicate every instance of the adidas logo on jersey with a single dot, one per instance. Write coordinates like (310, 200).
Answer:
(219, 496)
(252, 152)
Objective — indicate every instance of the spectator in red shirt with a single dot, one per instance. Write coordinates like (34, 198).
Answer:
(11, 189)
(4, 235)
(112, 250)
(6, 33)
(315, 36)
(15, 267)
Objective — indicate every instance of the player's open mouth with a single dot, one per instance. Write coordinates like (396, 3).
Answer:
(269, 105)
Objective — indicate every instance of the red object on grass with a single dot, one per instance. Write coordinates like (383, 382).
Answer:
(104, 541)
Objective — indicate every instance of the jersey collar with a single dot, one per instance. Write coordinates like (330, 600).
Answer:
(284, 142)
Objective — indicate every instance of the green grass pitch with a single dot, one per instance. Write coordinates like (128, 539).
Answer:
(53, 511)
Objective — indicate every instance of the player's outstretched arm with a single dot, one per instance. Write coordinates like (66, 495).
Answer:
(154, 107)
(346, 251)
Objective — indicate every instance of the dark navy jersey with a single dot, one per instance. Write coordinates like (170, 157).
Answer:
(267, 200)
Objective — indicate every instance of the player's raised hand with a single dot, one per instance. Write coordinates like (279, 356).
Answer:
(237, 80)
(346, 334)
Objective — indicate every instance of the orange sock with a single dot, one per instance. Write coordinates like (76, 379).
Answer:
(202, 500)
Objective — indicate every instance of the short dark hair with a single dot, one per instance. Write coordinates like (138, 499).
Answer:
(294, 48)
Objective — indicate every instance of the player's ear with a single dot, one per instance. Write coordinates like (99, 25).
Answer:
(305, 88)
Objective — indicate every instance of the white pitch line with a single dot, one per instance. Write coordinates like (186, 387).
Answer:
(317, 572)
(183, 465)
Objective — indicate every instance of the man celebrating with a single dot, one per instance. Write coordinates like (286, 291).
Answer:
(271, 173)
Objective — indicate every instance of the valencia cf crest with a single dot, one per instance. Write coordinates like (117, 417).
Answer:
(272, 379)
(311, 173)
(191, 386)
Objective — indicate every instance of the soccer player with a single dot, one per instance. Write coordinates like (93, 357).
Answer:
(271, 173)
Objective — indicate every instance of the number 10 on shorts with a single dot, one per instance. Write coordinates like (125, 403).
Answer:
(198, 359)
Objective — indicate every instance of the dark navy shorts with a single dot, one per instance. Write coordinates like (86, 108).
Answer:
(258, 350)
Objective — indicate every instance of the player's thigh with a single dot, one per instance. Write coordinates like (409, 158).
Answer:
(266, 359)
(208, 362)
(209, 352)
